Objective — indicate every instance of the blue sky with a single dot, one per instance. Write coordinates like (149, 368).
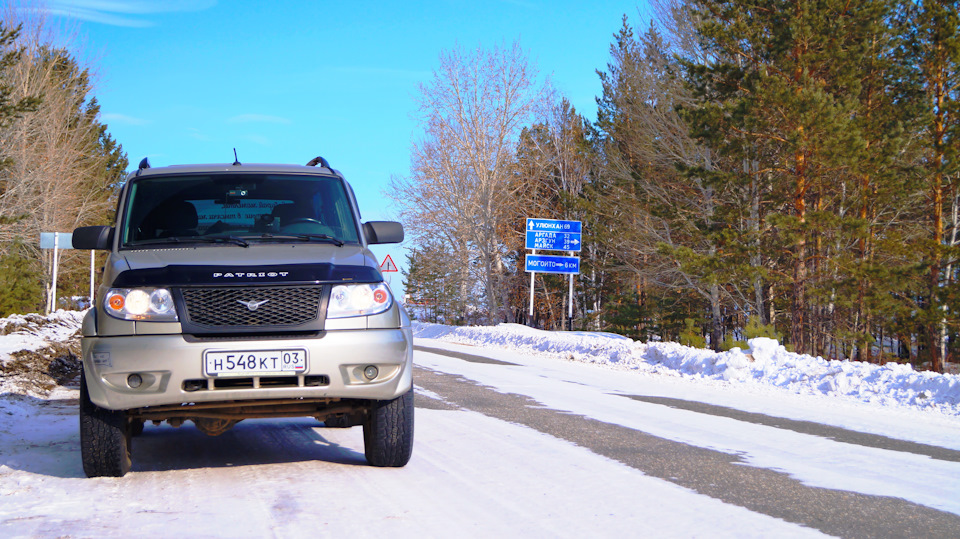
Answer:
(284, 81)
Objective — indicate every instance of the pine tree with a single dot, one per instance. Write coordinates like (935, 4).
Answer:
(932, 42)
(62, 166)
(12, 105)
(782, 90)
(20, 287)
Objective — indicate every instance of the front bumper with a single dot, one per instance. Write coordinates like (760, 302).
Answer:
(170, 369)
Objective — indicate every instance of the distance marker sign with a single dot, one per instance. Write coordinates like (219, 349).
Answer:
(553, 241)
(552, 225)
(553, 235)
(552, 264)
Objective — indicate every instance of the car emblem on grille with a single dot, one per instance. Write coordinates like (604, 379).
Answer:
(252, 305)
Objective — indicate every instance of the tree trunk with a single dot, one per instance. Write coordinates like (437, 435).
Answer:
(936, 192)
(799, 301)
(716, 327)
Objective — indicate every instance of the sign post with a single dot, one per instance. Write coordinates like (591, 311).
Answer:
(57, 241)
(553, 235)
(92, 261)
(388, 266)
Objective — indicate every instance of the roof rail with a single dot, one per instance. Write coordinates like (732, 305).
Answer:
(318, 160)
(144, 164)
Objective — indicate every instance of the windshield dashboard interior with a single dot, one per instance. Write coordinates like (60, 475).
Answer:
(236, 208)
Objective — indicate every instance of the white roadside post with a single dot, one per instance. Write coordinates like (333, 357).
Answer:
(532, 275)
(55, 241)
(92, 261)
(570, 313)
(52, 302)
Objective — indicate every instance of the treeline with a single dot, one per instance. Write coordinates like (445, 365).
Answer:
(781, 168)
(58, 164)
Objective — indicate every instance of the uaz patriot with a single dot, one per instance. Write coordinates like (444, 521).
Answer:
(242, 291)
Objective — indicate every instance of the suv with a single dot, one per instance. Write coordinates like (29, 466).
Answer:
(242, 291)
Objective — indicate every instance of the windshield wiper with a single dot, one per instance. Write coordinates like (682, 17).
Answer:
(302, 237)
(194, 239)
(224, 239)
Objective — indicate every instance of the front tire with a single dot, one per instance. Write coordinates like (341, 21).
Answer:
(388, 432)
(104, 438)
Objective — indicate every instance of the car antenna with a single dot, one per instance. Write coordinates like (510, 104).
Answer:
(236, 160)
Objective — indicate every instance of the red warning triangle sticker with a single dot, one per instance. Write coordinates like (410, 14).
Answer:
(388, 265)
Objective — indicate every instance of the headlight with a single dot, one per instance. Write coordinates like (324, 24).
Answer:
(359, 300)
(154, 304)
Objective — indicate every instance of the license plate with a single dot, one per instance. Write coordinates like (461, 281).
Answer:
(254, 362)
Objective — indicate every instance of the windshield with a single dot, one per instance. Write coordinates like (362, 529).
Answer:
(240, 207)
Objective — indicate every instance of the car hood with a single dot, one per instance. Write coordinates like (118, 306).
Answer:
(256, 264)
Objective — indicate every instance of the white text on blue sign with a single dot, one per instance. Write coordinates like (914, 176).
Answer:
(552, 264)
(552, 225)
(554, 241)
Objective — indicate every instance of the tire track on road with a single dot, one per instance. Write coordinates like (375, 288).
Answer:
(830, 432)
(705, 471)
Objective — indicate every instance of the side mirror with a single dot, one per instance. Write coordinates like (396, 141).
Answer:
(93, 237)
(383, 232)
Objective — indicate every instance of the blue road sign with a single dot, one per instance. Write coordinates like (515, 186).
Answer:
(552, 225)
(553, 241)
(553, 264)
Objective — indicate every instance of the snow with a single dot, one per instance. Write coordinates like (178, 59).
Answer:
(318, 485)
(811, 459)
(765, 363)
(890, 401)
(33, 331)
(291, 477)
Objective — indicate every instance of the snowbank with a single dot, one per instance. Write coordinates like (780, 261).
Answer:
(39, 352)
(766, 362)
(34, 331)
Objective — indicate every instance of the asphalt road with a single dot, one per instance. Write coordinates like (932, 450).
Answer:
(711, 473)
(486, 463)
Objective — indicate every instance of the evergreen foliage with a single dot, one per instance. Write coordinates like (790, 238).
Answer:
(12, 105)
(692, 335)
(785, 169)
(60, 166)
(21, 290)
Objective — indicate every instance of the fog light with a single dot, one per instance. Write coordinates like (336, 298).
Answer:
(134, 380)
(371, 372)
(194, 385)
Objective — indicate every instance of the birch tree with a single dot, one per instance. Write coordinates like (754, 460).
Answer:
(62, 165)
(460, 188)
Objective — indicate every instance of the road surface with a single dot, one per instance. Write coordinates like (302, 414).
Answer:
(511, 446)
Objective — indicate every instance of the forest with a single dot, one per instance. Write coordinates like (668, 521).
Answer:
(776, 168)
(59, 167)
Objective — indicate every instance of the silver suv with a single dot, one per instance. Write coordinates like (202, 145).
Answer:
(242, 291)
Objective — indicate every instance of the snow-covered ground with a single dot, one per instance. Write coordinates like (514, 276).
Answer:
(473, 475)
(891, 403)
(766, 365)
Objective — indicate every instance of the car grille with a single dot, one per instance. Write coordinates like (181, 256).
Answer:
(253, 306)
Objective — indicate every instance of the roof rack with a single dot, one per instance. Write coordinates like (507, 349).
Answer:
(144, 164)
(318, 160)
